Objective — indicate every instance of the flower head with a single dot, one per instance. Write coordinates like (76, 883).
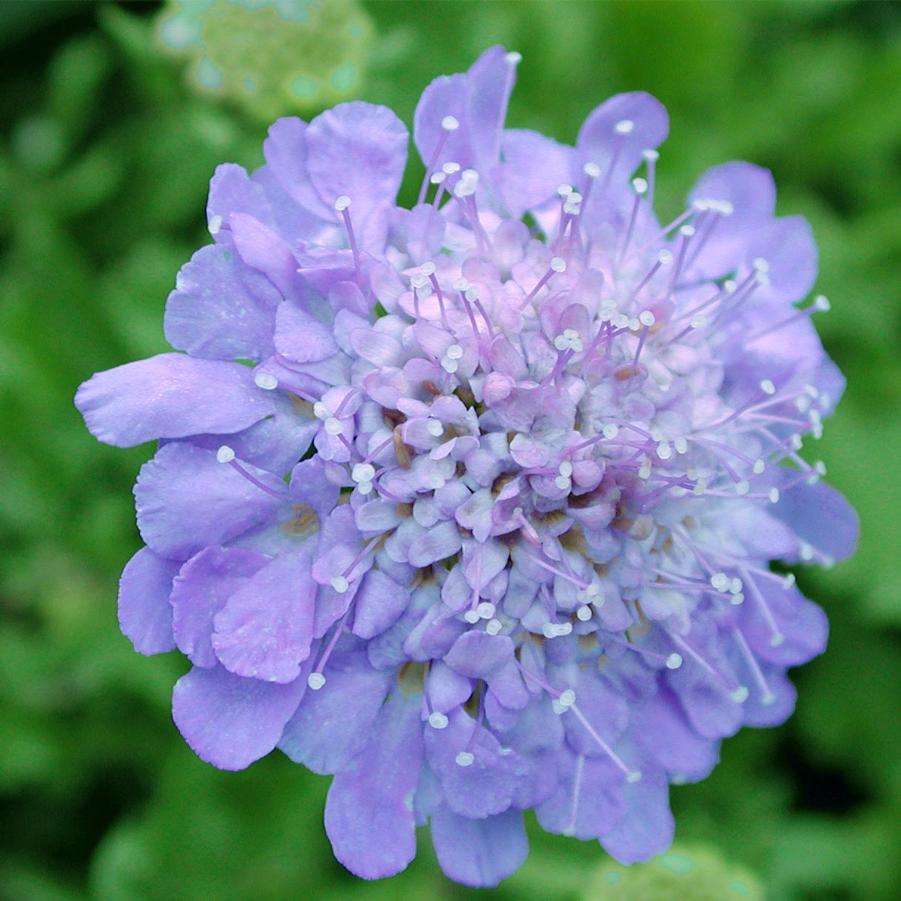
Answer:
(472, 505)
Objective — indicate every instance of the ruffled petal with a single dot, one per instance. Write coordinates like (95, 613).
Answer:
(145, 616)
(220, 309)
(170, 396)
(332, 725)
(228, 721)
(186, 500)
(358, 150)
(369, 811)
(480, 853)
(265, 629)
(199, 592)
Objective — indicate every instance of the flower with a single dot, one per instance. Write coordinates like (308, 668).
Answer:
(472, 505)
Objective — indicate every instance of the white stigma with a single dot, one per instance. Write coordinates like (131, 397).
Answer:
(437, 720)
(342, 203)
(739, 695)
(624, 127)
(450, 123)
(592, 170)
(583, 614)
(333, 426)
(214, 225)
(720, 581)
(485, 610)
(266, 381)
(340, 584)
(633, 777)
(494, 627)
(464, 759)
(514, 57)
(674, 661)
(650, 155)
(321, 411)
(610, 430)
(435, 428)
(821, 303)
(767, 387)
(225, 454)
(450, 168)
(362, 472)
(640, 185)
(315, 681)
(558, 264)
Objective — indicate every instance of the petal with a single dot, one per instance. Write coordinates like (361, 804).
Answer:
(228, 721)
(285, 150)
(647, 826)
(200, 590)
(480, 853)
(478, 101)
(588, 799)
(301, 337)
(821, 517)
(533, 167)
(379, 604)
(477, 654)
(145, 616)
(437, 543)
(662, 729)
(358, 150)
(186, 500)
(369, 810)
(170, 396)
(601, 142)
(265, 629)
(221, 309)
(788, 246)
(261, 248)
(332, 725)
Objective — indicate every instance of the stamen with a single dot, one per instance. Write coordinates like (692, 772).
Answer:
(225, 454)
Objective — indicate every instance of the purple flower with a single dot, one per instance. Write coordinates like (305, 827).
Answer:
(473, 505)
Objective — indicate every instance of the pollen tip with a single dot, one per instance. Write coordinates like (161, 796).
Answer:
(265, 380)
(225, 454)
(633, 776)
(739, 695)
(624, 127)
(450, 123)
(674, 661)
(342, 203)
(465, 758)
(315, 681)
(437, 720)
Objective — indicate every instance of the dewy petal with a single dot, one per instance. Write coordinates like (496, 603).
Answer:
(187, 500)
(357, 150)
(478, 101)
(221, 309)
(145, 616)
(369, 810)
(265, 629)
(228, 721)
(300, 336)
(480, 853)
(332, 725)
(200, 590)
(170, 396)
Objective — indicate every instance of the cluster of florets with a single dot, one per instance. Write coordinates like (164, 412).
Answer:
(473, 504)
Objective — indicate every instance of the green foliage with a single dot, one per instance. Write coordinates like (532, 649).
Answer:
(270, 57)
(104, 162)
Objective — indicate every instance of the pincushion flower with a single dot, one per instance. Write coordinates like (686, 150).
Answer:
(473, 504)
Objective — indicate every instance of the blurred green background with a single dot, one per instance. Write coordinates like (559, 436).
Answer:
(108, 135)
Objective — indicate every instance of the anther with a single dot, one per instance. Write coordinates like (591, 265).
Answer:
(342, 203)
(266, 381)
(315, 681)
(465, 758)
(225, 454)
(624, 126)
(674, 661)
(340, 584)
(437, 720)
(592, 170)
(450, 123)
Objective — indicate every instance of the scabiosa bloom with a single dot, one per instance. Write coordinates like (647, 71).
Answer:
(473, 505)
